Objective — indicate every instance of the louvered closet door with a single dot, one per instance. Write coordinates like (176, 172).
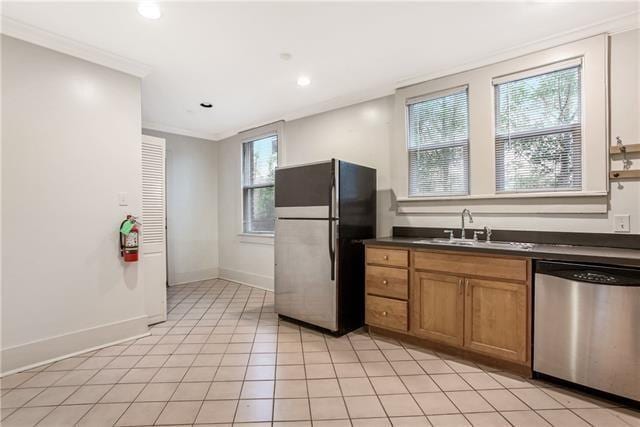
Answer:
(154, 258)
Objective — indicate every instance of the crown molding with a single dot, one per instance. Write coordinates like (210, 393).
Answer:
(31, 34)
(618, 24)
(341, 102)
(614, 25)
(318, 108)
(40, 37)
(626, 23)
(179, 131)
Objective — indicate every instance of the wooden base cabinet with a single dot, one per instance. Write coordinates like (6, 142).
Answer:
(437, 307)
(496, 318)
(473, 304)
(387, 288)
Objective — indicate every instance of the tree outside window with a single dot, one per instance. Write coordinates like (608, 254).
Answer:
(538, 133)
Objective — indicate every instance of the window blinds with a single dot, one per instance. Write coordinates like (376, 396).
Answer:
(538, 138)
(260, 157)
(438, 144)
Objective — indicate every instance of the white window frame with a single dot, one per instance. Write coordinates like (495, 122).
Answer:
(533, 72)
(455, 143)
(482, 197)
(276, 130)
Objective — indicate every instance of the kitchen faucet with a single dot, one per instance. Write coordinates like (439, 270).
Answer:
(467, 212)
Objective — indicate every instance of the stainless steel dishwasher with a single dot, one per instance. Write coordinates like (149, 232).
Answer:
(587, 326)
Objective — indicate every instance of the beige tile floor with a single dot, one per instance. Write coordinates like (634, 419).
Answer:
(224, 358)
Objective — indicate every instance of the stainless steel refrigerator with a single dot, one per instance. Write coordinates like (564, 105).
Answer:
(323, 212)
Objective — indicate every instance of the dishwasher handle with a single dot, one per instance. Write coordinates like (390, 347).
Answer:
(589, 273)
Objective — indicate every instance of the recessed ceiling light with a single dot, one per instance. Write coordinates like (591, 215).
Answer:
(149, 10)
(205, 105)
(304, 81)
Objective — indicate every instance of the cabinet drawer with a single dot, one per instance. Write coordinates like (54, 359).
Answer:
(386, 313)
(460, 264)
(388, 281)
(384, 256)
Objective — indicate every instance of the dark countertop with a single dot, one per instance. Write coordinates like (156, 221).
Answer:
(555, 252)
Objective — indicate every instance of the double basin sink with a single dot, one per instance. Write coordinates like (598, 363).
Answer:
(477, 244)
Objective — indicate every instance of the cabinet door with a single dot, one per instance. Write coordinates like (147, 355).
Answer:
(437, 307)
(496, 318)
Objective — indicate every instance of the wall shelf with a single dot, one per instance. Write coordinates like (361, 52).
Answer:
(630, 148)
(625, 174)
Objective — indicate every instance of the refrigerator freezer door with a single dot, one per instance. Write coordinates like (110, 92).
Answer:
(303, 286)
(305, 185)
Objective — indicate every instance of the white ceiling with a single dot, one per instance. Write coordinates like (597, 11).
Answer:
(228, 53)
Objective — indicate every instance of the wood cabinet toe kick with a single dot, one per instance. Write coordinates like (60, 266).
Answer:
(471, 305)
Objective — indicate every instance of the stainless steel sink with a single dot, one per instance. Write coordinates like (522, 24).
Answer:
(458, 242)
(463, 241)
(517, 245)
(478, 244)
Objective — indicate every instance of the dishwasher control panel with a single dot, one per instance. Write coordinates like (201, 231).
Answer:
(590, 273)
(593, 276)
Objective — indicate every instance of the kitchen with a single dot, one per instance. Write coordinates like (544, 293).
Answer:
(477, 294)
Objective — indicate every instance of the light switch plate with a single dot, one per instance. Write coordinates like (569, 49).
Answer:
(123, 199)
(621, 223)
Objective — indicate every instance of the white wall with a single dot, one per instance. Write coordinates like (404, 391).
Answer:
(625, 111)
(593, 53)
(244, 259)
(192, 207)
(624, 198)
(358, 134)
(71, 143)
(362, 133)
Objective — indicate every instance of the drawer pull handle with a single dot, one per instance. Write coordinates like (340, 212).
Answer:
(386, 257)
(384, 313)
(385, 282)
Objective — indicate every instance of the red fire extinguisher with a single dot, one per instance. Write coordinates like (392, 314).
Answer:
(129, 239)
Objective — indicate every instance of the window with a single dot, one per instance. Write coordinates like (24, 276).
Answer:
(438, 144)
(259, 160)
(538, 131)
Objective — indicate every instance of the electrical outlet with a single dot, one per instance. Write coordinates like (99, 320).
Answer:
(621, 223)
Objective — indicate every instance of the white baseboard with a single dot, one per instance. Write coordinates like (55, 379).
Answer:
(36, 353)
(152, 320)
(194, 276)
(245, 278)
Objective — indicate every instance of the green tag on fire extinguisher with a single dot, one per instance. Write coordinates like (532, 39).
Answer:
(126, 227)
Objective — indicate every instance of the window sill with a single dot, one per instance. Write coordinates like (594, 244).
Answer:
(540, 195)
(256, 238)
(565, 202)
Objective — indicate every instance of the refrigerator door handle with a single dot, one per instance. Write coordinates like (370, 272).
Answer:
(332, 250)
